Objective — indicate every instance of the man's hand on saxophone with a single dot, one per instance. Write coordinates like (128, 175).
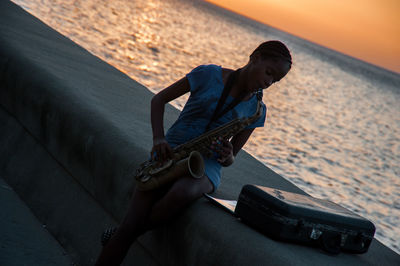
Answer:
(224, 148)
(161, 151)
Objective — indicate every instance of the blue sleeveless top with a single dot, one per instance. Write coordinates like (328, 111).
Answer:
(206, 86)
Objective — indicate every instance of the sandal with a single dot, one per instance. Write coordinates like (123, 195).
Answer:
(107, 234)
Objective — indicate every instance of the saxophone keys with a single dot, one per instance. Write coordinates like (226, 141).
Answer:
(145, 178)
(156, 170)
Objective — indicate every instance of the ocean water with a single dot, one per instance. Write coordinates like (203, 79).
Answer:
(333, 124)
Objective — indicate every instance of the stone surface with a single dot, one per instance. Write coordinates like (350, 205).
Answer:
(73, 129)
(23, 239)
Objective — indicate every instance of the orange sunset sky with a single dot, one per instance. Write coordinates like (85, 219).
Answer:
(365, 29)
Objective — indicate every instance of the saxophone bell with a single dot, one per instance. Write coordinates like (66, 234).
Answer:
(196, 164)
(193, 165)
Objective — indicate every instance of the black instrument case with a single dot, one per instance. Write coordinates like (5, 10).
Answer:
(304, 219)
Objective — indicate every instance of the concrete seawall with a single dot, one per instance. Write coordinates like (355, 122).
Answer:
(73, 129)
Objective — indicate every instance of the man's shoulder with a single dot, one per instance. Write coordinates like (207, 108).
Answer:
(210, 68)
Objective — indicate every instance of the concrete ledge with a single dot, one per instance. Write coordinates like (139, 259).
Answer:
(73, 129)
(69, 212)
(24, 240)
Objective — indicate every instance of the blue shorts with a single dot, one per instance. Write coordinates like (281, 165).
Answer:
(213, 172)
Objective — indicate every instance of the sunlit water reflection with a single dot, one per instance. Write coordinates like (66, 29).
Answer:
(333, 133)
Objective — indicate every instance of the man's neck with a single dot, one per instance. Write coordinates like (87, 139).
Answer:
(240, 87)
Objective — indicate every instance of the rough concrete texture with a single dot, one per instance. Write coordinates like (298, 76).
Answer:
(69, 212)
(76, 128)
(23, 239)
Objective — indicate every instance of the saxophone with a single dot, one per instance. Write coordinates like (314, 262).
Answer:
(187, 158)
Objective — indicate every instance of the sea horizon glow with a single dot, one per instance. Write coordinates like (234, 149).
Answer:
(367, 30)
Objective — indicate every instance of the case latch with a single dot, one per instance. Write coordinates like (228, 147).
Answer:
(315, 234)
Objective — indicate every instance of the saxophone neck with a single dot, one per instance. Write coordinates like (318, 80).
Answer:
(258, 111)
(259, 94)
